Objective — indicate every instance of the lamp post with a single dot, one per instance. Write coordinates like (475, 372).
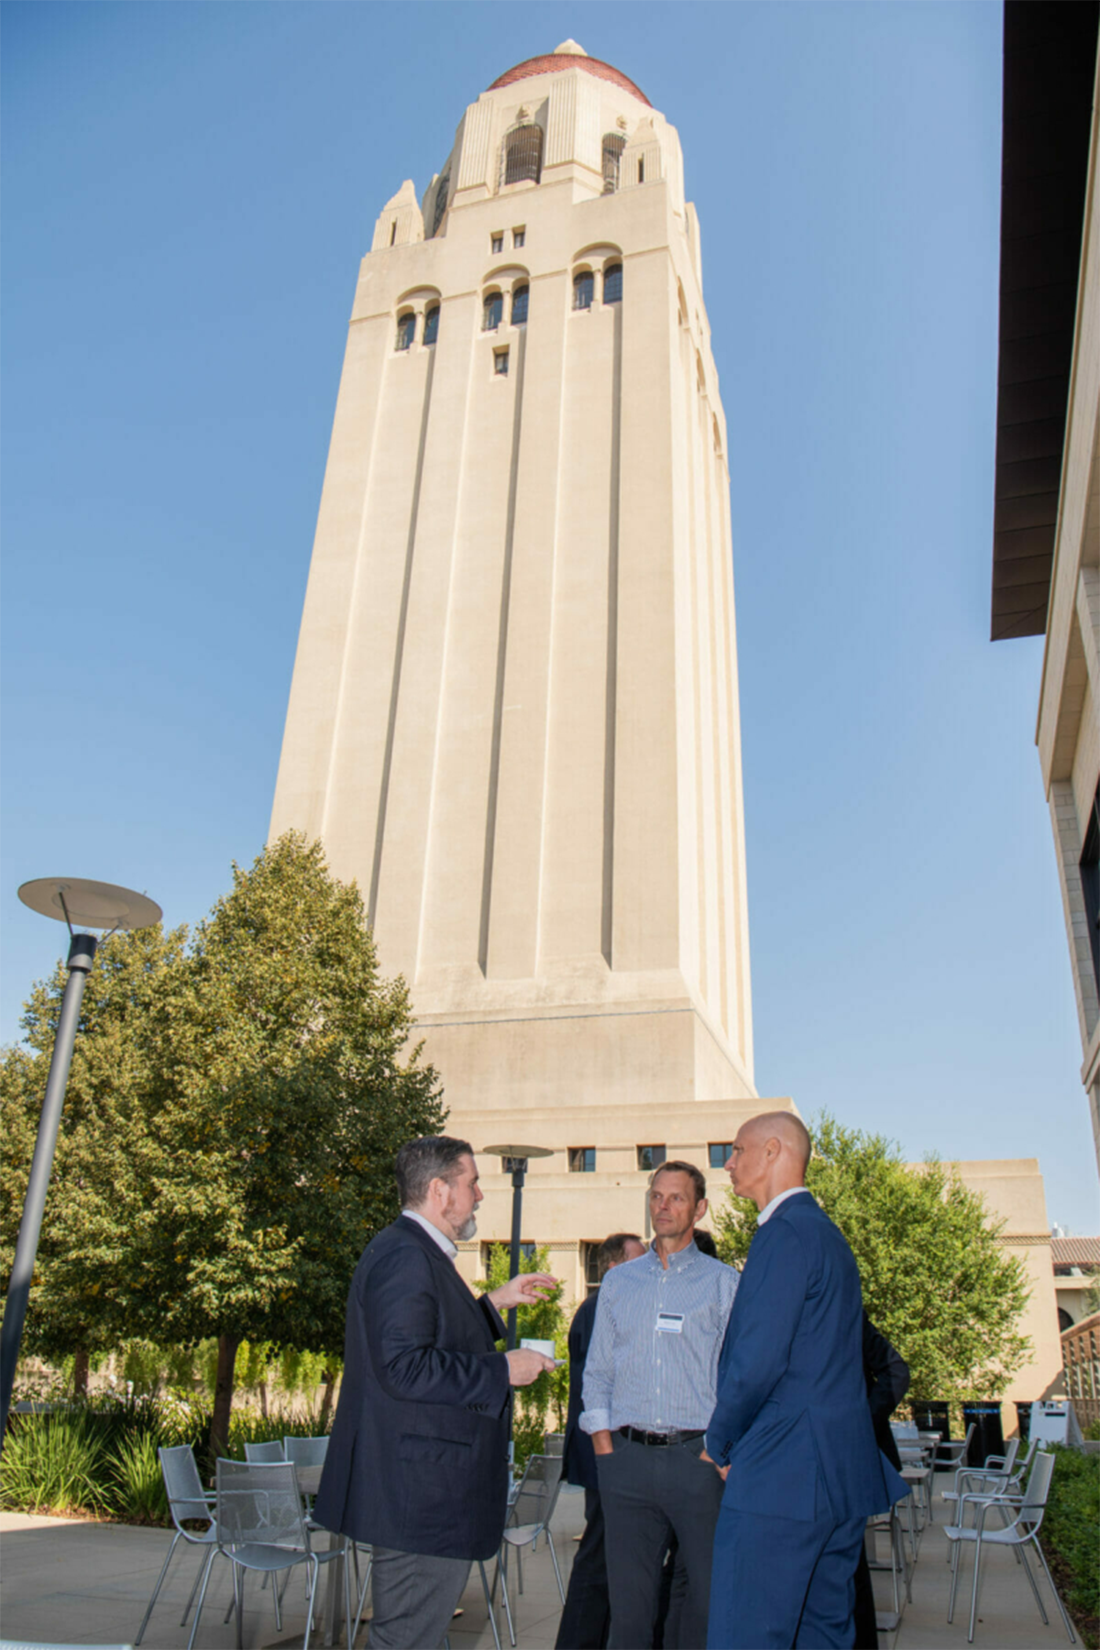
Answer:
(514, 1161)
(91, 905)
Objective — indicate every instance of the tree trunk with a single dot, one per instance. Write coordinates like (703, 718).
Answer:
(329, 1378)
(81, 1363)
(223, 1393)
(263, 1399)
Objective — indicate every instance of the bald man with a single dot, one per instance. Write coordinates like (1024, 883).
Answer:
(791, 1431)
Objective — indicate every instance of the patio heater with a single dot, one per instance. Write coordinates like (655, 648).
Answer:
(90, 905)
(514, 1160)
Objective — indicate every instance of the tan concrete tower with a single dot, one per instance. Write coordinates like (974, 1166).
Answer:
(514, 714)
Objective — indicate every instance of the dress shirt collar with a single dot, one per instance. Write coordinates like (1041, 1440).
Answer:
(677, 1261)
(780, 1197)
(444, 1242)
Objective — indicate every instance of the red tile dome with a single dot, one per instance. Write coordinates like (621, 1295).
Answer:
(554, 62)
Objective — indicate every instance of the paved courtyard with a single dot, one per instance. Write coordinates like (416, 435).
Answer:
(74, 1582)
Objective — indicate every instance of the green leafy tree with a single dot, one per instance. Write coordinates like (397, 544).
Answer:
(935, 1279)
(544, 1321)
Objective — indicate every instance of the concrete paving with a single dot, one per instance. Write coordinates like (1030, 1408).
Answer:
(84, 1583)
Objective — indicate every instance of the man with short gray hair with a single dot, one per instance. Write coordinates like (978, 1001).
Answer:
(417, 1465)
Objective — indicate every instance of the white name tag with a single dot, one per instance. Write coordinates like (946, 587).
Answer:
(670, 1323)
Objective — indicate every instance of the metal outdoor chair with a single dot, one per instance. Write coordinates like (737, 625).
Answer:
(260, 1526)
(188, 1503)
(1020, 1533)
(271, 1450)
(952, 1452)
(306, 1452)
(529, 1515)
(997, 1477)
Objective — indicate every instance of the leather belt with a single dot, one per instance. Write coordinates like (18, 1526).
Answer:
(659, 1440)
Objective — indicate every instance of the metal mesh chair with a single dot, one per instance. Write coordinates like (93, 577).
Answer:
(271, 1450)
(188, 1503)
(998, 1477)
(529, 1516)
(260, 1526)
(306, 1452)
(1019, 1534)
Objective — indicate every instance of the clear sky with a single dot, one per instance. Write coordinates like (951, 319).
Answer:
(187, 192)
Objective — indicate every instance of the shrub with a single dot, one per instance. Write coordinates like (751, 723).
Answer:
(1070, 1534)
(53, 1463)
(137, 1488)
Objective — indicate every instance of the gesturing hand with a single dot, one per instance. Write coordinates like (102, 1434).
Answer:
(525, 1366)
(525, 1290)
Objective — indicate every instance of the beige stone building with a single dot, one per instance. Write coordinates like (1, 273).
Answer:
(514, 713)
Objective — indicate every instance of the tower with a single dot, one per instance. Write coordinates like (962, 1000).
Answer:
(514, 713)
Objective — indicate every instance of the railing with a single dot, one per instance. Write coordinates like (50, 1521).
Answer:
(1081, 1357)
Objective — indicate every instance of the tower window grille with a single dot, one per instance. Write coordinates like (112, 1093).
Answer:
(584, 288)
(442, 191)
(500, 362)
(519, 305)
(613, 284)
(431, 324)
(523, 154)
(613, 145)
(406, 331)
(496, 242)
(519, 237)
(493, 313)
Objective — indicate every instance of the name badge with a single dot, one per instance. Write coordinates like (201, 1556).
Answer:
(670, 1323)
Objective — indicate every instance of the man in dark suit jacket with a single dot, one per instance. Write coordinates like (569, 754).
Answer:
(418, 1460)
(886, 1375)
(791, 1426)
(587, 1614)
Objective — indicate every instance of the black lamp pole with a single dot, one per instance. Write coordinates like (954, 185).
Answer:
(518, 1168)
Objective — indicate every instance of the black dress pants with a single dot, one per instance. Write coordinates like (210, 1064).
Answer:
(586, 1615)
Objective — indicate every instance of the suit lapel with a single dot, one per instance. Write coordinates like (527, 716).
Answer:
(447, 1271)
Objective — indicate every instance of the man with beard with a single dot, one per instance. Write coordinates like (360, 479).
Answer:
(418, 1460)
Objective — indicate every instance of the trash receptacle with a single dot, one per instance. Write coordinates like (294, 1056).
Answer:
(989, 1438)
(1023, 1422)
(932, 1416)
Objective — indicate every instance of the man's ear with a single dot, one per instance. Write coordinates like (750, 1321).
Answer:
(700, 1211)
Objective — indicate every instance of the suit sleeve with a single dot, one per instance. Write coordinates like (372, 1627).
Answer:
(401, 1316)
(765, 1316)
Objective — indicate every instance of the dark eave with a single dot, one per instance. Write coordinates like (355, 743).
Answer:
(1049, 69)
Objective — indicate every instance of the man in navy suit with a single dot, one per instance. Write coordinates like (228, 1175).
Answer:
(791, 1430)
(418, 1460)
(586, 1618)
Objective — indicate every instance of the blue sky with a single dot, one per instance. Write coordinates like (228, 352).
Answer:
(187, 192)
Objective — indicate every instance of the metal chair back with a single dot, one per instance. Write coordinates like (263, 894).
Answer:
(182, 1485)
(537, 1495)
(259, 1504)
(270, 1450)
(1038, 1488)
(306, 1452)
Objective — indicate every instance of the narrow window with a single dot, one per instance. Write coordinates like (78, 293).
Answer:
(493, 313)
(406, 331)
(519, 237)
(500, 363)
(613, 284)
(641, 168)
(523, 154)
(442, 190)
(393, 231)
(431, 324)
(519, 305)
(582, 1159)
(651, 1157)
(613, 145)
(584, 286)
(718, 1153)
(496, 242)
(591, 1251)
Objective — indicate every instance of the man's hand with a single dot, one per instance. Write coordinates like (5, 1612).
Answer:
(525, 1366)
(723, 1472)
(601, 1443)
(526, 1290)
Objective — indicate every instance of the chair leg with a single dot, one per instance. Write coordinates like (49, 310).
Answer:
(519, 1568)
(1034, 1587)
(502, 1571)
(156, 1590)
(363, 1596)
(1057, 1596)
(190, 1598)
(345, 1565)
(211, 1555)
(313, 1567)
(976, 1588)
(238, 1594)
(554, 1557)
(956, 1548)
(488, 1605)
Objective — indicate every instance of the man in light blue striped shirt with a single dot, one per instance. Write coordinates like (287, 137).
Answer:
(649, 1390)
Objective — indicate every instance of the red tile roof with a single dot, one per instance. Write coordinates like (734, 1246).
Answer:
(554, 62)
(1075, 1251)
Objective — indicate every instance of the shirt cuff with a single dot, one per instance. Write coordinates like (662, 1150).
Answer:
(595, 1420)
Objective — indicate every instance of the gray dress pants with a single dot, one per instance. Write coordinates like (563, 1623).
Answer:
(415, 1597)
(650, 1494)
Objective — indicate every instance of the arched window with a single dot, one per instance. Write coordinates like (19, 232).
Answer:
(584, 287)
(406, 331)
(493, 312)
(431, 324)
(523, 154)
(519, 305)
(613, 145)
(442, 190)
(613, 284)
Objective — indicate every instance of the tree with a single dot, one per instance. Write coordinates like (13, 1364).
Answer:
(545, 1321)
(935, 1279)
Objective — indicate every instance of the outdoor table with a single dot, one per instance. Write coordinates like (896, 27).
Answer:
(309, 1482)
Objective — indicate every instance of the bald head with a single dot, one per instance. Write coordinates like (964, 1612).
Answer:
(769, 1156)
